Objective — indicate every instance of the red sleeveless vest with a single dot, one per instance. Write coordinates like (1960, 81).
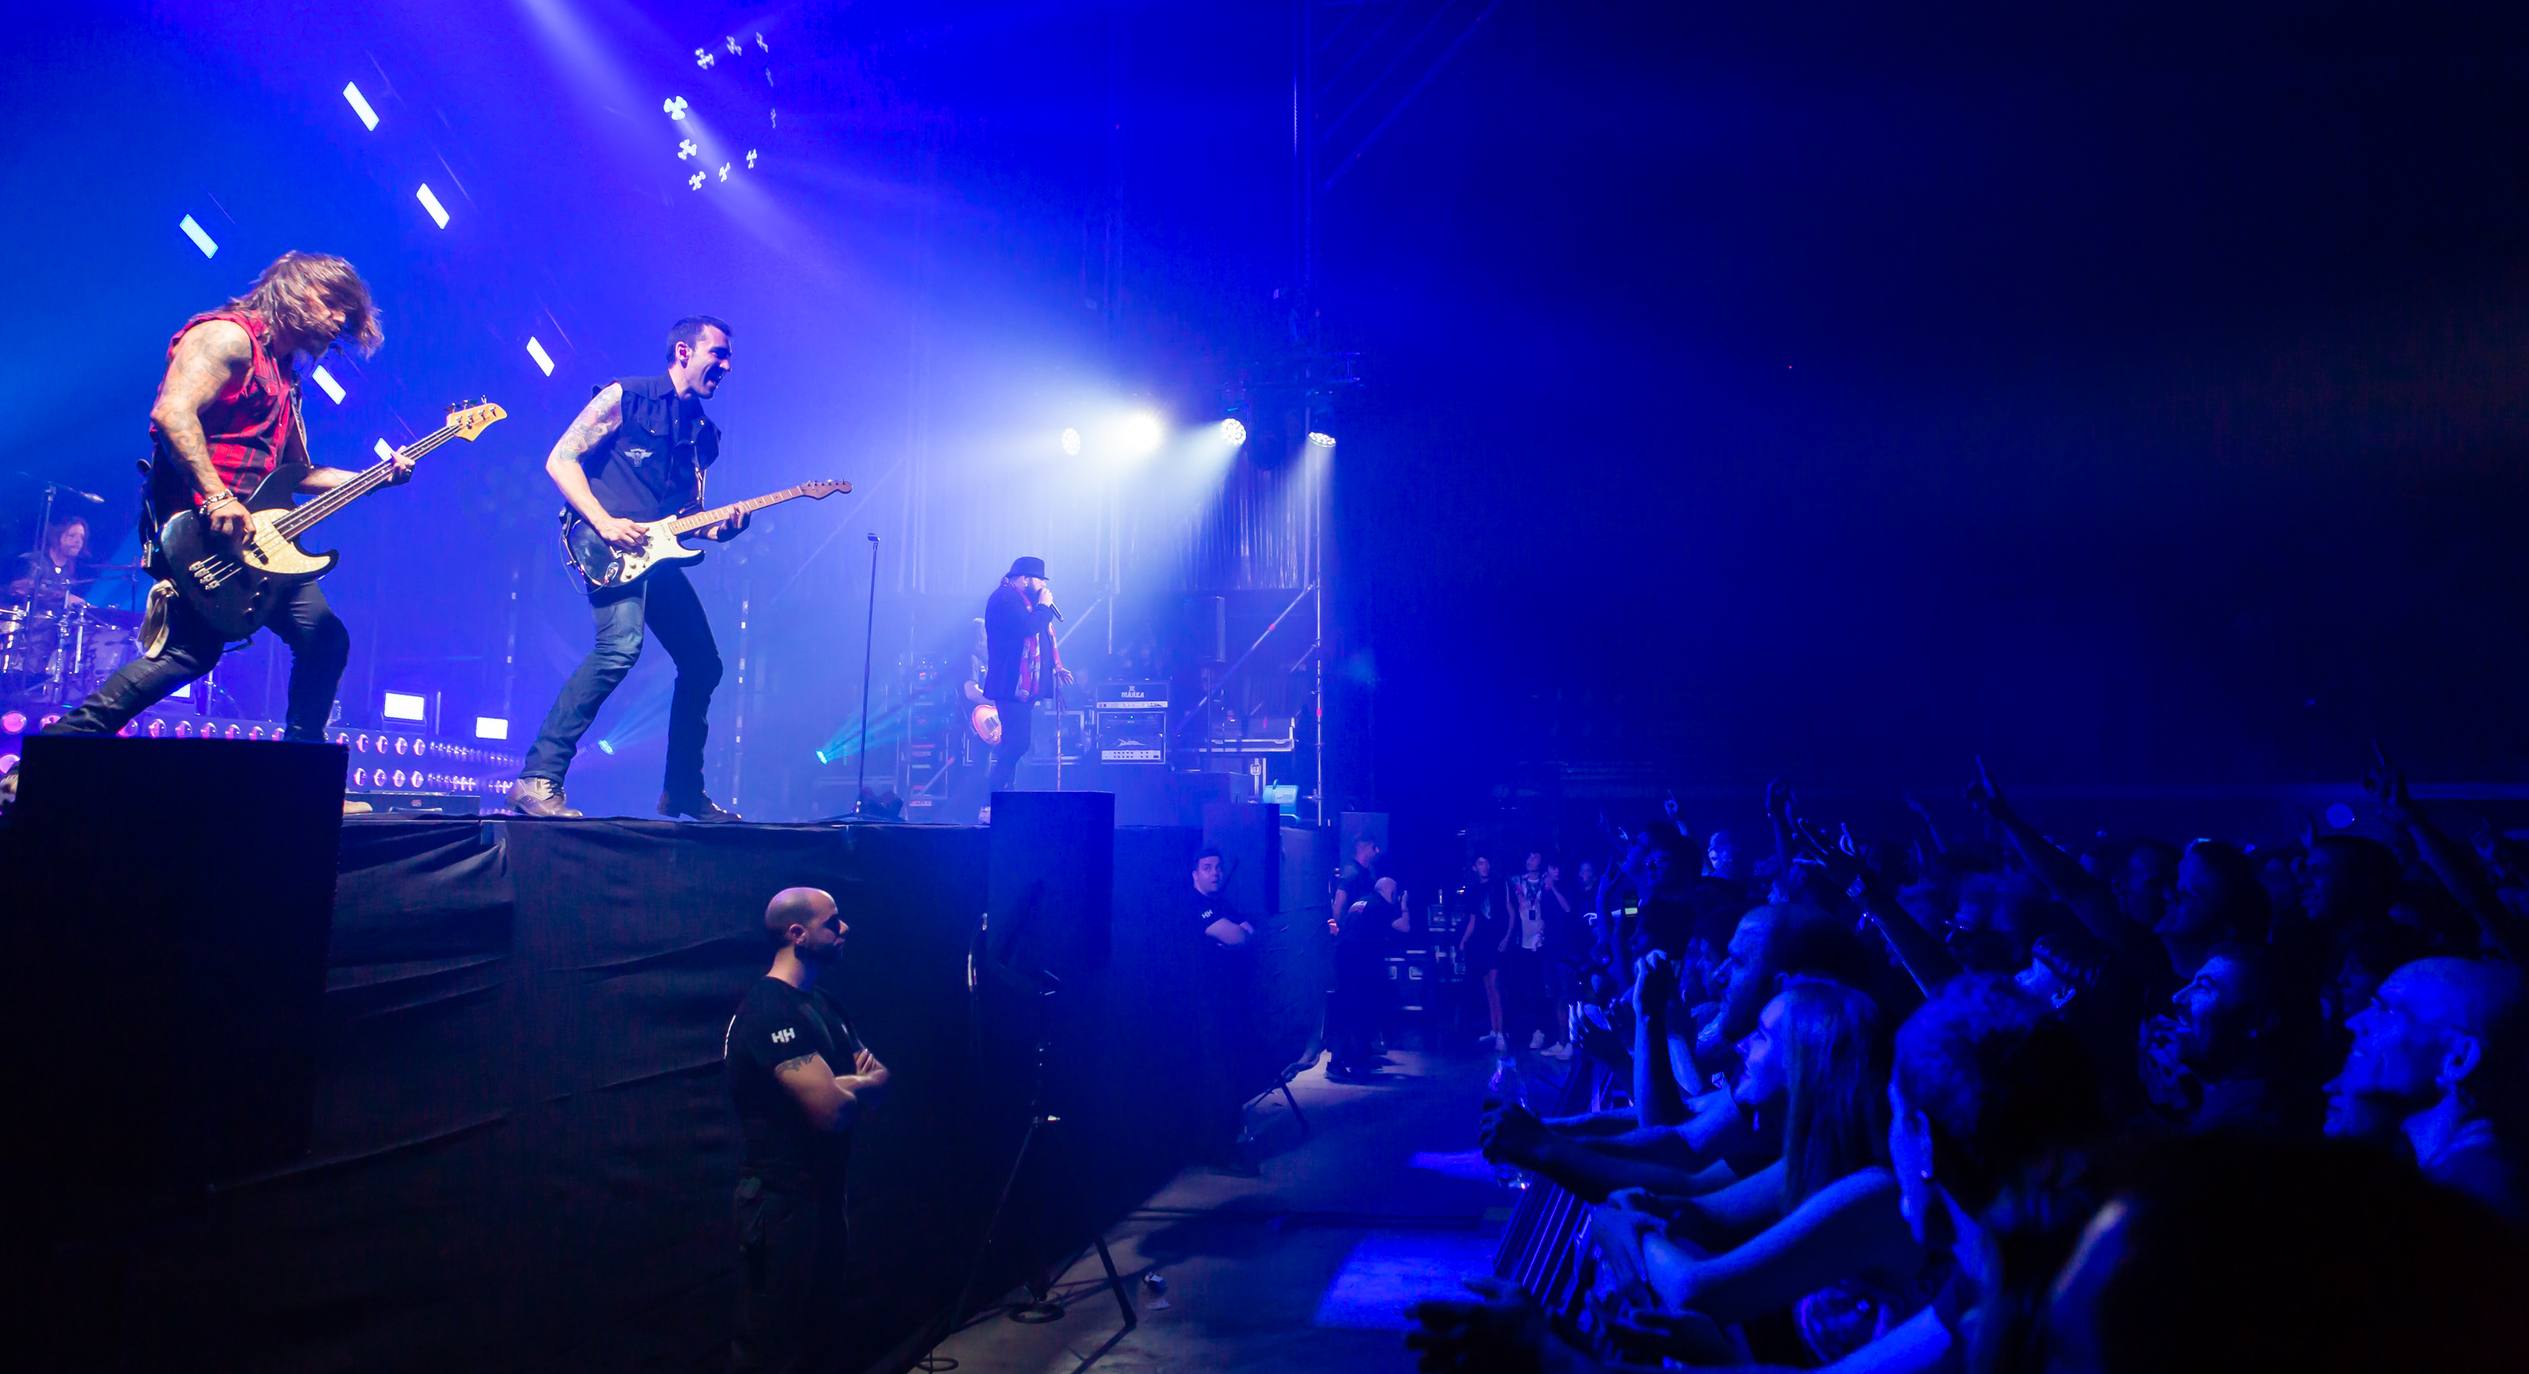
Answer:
(246, 427)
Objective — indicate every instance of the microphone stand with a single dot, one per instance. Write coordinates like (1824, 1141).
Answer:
(869, 634)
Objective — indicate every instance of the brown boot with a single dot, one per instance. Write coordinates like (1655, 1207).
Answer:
(697, 806)
(540, 797)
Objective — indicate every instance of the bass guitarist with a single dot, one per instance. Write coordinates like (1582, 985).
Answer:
(226, 417)
(637, 454)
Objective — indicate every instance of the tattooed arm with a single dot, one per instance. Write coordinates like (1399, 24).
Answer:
(599, 418)
(210, 358)
(827, 1099)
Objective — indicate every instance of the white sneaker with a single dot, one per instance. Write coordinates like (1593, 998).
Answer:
(1559, 1050)
(1536, 1040)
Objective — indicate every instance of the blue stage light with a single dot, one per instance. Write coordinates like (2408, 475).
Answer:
(1233, 432)
(431, 203)
(359, 104)
(1320, 440)
(1143, 432)
(1070, 439)
(536, 351)
(325, 382)
(201, 240)
(606, 747)
(490, 727)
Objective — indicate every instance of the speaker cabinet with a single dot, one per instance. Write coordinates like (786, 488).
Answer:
(174, 898)
(1052, 883)
(1248, 834)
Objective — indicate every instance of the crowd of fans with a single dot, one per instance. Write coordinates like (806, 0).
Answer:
(2008, 1104)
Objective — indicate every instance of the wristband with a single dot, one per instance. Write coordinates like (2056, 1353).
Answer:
(214, 503)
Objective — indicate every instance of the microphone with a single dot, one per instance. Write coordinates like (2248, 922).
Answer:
(82, 495)
(1057, 610)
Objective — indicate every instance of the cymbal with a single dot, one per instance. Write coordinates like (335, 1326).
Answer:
(118, 567)
(111, 615)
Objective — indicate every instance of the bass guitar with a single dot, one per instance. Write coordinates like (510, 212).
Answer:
(602, 566)
(235, 587)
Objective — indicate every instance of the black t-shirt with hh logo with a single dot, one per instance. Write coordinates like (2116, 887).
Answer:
(777, 1023)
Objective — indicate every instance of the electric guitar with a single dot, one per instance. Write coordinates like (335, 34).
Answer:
(602, 566)
(236, 587)
(984, 718)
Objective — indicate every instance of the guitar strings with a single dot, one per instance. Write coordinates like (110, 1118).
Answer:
(327, 503)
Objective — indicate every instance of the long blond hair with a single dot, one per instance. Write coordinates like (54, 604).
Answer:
(280, 295)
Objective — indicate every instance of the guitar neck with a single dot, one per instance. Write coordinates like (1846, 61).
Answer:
(705, 519)
(302, 518)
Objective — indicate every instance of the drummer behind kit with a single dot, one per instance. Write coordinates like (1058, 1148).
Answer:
(60, 655)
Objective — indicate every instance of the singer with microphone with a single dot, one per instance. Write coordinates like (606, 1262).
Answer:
(1022, 663)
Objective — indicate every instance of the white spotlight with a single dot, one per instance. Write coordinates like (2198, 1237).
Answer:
(536, 351)
(359, 104)
(1233, 432)
(1071, 442)
(438, 212)
(1143, 433)
(1318, 439)
(326, 383)
(201, 240)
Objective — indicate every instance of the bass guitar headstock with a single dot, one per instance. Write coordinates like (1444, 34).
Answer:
(471, 420)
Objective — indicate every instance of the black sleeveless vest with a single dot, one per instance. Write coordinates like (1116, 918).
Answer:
(648, 468)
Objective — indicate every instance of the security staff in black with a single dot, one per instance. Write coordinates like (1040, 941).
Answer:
(637, 453)
(800, 1081)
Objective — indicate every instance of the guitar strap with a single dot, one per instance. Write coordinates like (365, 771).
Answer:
(153, 631)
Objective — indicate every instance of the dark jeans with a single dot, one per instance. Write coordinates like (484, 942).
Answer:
(665, 601)
(790, 1279)
(319, 646)
(1018, 723)
(1524, 1010)
(1353, 1012)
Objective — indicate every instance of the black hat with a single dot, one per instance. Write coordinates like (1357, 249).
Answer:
(1030, 566)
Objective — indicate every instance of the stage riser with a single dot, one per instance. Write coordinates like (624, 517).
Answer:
(523, 1149)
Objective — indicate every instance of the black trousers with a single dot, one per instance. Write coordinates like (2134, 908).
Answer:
(1018, 726)
(1352, 1013)
(790, 1279)
(1524, 1010)
(664, 603)
(319, 647)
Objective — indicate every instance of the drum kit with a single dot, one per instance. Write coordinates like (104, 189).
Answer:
(61, 652)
